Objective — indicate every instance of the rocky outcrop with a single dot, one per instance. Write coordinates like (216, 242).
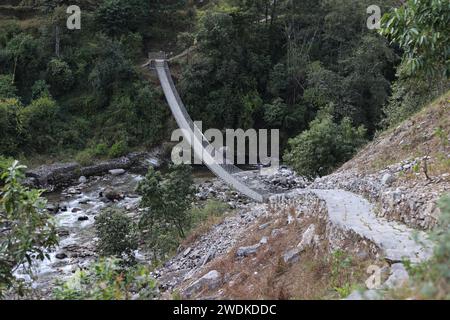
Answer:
(59, 175)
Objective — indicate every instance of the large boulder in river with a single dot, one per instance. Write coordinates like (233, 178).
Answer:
(112, 195)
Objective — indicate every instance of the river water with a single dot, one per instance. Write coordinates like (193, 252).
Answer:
(79, 205)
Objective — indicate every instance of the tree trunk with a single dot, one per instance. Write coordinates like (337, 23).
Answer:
(57, 41)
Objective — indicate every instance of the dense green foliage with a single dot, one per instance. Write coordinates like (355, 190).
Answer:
(108, 280)
(420, 28)
(94, 90)
(279, 64)
(254, 64)
(325, 144)
(26, 229)
(166, 200)
(116, 233)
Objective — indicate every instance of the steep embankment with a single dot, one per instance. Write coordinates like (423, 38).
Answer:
(292, 247)
(405, 170)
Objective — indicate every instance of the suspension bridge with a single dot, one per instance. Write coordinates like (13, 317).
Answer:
(200, 145)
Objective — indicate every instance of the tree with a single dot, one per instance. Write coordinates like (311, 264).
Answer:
(421, 29)
(11, 128)
(166, 200)
(59, 76)
(118, 17)
(317, 151)
(26, 229)
(20, 48)
(116, 233)
(39, 122)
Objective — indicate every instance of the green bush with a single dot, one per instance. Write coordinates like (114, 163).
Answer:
(28, 231)
(317, 151)
(108, 280)
(85, 157)
(116, 233)
(118, 149)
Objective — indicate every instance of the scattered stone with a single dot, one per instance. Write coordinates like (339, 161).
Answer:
(83, 218)
(264, 240)
(61, 256)
(264, 226)
(74, 210)
(364, 295)
(247, 251)
(52, 208)
(209, 281)
(277, 232)
(292, 256)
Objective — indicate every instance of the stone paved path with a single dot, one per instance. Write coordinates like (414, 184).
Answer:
(353, 212)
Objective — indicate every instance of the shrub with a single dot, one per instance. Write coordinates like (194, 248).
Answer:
(85, 157)
(116, 233)
(325, 145)
(107, 280)
(118, 149)
(27, 229)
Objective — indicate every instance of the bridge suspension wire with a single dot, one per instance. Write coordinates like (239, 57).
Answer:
(201, 146)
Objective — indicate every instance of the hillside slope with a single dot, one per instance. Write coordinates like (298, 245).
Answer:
(254, 254)
(405, 170)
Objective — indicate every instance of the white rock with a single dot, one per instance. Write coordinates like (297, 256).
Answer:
(387, 179)
(116, 172)
(82, 179)
(307, 238)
